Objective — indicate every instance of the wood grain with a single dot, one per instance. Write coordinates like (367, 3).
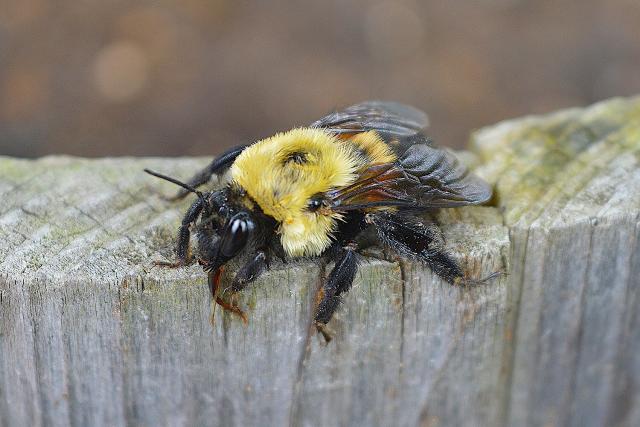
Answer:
(91, 333)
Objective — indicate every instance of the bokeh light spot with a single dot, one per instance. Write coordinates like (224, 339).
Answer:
(121, 71)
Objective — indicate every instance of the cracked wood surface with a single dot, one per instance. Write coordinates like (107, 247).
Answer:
(91, 333)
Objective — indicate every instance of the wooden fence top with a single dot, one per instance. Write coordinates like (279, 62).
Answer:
(92, 333)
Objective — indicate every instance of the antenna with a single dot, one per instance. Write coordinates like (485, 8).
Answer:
(179, 183)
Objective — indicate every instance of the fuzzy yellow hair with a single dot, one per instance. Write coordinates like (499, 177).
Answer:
(283, 172)
(373, 147)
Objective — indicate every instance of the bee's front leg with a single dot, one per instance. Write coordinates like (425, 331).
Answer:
(257, 264)
(183, 253)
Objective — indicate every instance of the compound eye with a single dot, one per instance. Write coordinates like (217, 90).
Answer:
(236, 235)
(315, 203)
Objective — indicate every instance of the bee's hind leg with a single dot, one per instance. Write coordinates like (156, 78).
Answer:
(218, 165)
(183, 253)
(339, 281)
(417, 239)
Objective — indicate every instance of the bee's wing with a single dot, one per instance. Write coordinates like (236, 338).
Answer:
(441, 180)
(424, 177)
(390, 118)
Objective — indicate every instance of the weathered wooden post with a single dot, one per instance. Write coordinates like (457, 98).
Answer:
(91, 333)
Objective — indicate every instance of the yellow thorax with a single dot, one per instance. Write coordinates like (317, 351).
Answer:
(283, 172)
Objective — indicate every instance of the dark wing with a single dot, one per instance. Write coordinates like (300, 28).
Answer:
(424, 177)
(441, 180)
(390, 118)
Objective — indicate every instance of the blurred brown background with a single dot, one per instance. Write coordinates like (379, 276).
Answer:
(178, 77)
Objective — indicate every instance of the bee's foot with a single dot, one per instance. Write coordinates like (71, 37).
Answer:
(233, 309)
(326, 333)
(207, 266)
(170, 264)
(468, 281)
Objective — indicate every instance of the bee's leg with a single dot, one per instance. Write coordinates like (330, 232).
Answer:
(183, 255)
(417, 239)
(338, 282)
(208, 246)
(248, 273)
(214, 287)
(218, 165)
(257, 264)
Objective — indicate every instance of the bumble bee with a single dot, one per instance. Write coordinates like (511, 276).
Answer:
(312, 191)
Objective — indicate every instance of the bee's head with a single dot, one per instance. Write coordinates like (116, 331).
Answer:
(226, 226)
(227, 231)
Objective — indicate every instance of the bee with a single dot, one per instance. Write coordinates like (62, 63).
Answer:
(312, 191)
